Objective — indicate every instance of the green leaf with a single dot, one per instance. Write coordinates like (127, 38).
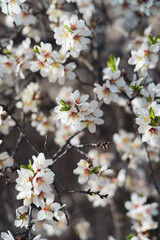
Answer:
(137, 88)
(63, 103)
(23, 166)
(155, 40)
(128, 237)
(35, 49)
(150, 39)
(111, 63)
(30, 166)
(64, 109)
(69, 30)
(94, 170)
(140, 195)
(6, 51)
(151, 113)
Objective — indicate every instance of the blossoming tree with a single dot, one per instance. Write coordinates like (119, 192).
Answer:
(79, 119)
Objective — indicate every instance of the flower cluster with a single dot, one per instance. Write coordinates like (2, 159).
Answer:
(6, 122)
(34, 181)
(72, 35)
(129, 147)
(146, 56)
(30, 98)
(114, 82)
(149, 124)
(43, 123)
(96, 172)
(141, 214)
(50, 63)
(78, 113)
(83, 230)
(5, 161)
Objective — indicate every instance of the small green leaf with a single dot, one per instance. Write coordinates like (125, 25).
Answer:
(153, 40)
(35, 49)
(64, 109)
(140, 195)
(128, 237)
(30, 166)
(151, 113)
(69, 30)
(137, 88)
(6, 51)
(111, 63)
(94, 170)
(157, 38)
(63, 103)
(23, 166)
(150, 39)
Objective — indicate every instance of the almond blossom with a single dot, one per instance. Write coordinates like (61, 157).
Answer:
(79, 114)
(5, 160)
(145, 57)
(72, 35)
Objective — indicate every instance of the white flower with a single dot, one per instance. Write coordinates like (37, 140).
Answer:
(30, 98)
(145, 57)
(79, 100)
(21, 217)
(50, 210)
(5, 160)
(7, 236)
(40, 163)
(42, 181)
(148, 121)
(105, 93)
(113, 80)
(136, 201)
(83, 230)
(24, 185)
(72, 36)
(42, 123)
(83, 171)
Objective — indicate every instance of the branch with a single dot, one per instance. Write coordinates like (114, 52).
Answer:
(151, 169)
(103, 145)
(29, 228)
(88, 192)
(20, 130)
(61, 150)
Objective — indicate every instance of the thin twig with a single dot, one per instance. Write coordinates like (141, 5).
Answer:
(20, 129)
(88, 192)
(60, 151)
(151, 169)
(17, 145)
(59, 197)
(29, 228)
